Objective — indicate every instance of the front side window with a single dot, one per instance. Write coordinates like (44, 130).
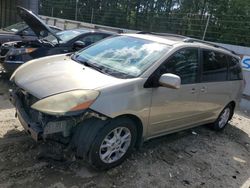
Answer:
(235, 71)
(90, 39)
(214, 66)
(123, 56)
(183, 63)
(65, 36)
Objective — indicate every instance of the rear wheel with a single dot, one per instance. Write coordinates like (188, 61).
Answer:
(223, 118)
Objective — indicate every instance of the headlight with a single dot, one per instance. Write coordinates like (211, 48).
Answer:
(66, 103)
(19, 51)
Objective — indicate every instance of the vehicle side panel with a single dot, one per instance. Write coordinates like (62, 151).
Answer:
(130, 98)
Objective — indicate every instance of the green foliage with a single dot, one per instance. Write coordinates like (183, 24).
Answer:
(229, 19)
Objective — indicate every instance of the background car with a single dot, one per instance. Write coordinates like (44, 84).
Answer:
(20, 32)
(13, 54)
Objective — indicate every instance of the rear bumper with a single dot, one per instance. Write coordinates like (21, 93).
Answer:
(34, 130)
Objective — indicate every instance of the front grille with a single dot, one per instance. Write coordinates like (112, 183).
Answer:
(27, 101)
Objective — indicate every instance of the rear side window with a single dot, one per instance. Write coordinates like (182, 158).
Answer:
(183, 63)
(214, 67)
(235, 71)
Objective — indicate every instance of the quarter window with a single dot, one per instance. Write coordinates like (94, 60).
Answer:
(235, 71)
(214, 66)
(185, 64)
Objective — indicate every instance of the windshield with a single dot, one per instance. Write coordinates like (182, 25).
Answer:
(65, 36)
(123, 54)
(16, 27)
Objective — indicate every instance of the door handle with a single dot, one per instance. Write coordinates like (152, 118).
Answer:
(193, 90)
(203, 89)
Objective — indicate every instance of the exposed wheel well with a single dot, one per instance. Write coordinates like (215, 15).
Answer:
(232, 104)
(139, 125)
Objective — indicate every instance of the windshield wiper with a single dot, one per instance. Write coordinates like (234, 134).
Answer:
(88, 64)
(93, 66)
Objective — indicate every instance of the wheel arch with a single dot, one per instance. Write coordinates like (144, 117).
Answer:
(233, 105)
(139, 126)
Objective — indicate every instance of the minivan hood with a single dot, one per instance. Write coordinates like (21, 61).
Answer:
(35, 23)
(57, 74)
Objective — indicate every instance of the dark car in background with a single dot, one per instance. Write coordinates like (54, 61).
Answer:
(20, 32)
(13, 54)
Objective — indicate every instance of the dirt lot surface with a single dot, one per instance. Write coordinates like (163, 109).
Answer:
(192, 158)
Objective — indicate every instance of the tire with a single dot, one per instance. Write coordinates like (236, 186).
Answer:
(118, 138)
(224, 117)
(84, 135)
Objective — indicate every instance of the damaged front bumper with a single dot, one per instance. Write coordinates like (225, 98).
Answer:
(41, 130)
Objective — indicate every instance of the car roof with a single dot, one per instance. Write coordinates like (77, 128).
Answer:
(172, 39)
(160, 39)
(90, 30)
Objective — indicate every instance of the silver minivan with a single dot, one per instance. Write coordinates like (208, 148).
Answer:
(112, 96)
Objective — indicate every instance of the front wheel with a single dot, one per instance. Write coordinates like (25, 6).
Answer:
(113, 144)
(223, 118)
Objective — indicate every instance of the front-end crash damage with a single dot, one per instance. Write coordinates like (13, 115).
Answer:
(42, 126)
(15, 53)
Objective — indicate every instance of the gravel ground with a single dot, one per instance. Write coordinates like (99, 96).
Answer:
(191, 158)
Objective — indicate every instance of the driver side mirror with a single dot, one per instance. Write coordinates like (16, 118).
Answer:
(170, 81)
(24, 33)
(78, 45)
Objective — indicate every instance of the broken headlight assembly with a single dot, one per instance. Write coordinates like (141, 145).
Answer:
(67, 103)
(20, 51)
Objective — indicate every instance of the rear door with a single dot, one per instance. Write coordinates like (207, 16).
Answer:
(215, 90)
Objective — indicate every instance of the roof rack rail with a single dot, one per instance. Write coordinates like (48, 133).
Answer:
(162, 34)
(107, 28)
(208, 43)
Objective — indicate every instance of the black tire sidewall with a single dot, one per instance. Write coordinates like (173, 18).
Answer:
(94, 157)
(216, 124)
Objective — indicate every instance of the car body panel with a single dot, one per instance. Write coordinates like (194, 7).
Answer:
(127, 98)
(65, 77)
(8, 36)
(171, 108)
(212, 98)
(161, 110)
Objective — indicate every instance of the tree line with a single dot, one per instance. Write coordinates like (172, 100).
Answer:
(228, 20)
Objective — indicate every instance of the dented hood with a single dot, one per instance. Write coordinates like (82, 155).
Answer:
(57, 74)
